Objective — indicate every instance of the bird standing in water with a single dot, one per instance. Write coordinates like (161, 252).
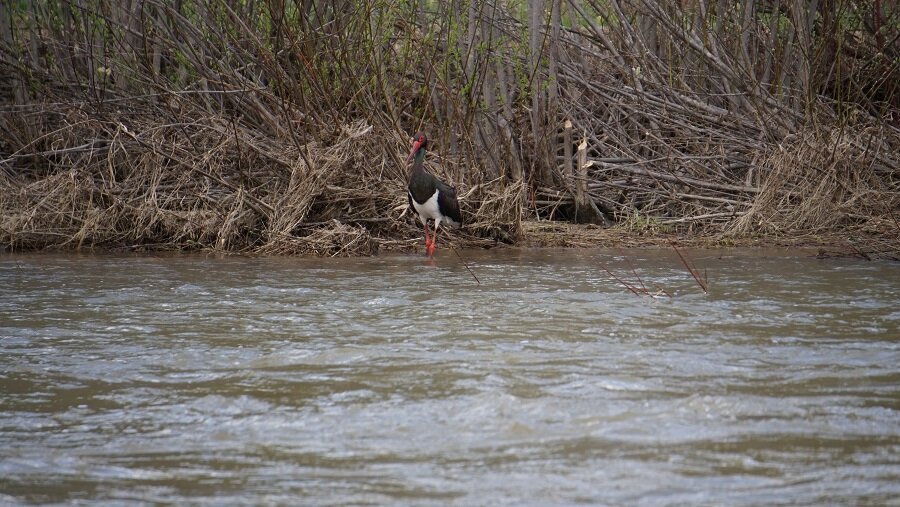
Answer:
(428, 196)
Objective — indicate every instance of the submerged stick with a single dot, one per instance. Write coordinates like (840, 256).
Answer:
(465, 264)
(450, 245)
(638, 291)
(692, 270)
(633, 271)
(623, 282)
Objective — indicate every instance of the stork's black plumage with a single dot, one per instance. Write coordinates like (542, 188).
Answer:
(428, 196)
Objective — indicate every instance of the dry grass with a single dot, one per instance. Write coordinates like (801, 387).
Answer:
(824, 181)
(263, 128)
(207, 182)
(212, 184)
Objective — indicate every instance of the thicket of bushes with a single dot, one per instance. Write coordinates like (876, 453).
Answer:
(282, 126)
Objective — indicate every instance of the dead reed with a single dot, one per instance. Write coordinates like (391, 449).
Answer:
(210, 183)
(689, 264)
(638, 289)
(280, 128)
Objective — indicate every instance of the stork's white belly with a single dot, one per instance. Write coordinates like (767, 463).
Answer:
(429, 209)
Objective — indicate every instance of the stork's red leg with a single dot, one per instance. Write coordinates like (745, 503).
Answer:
(429, 243)
(430, 249)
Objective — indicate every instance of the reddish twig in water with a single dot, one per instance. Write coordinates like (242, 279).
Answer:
(450, 245)
(691, 269)
(642, 291)
(466, 264)
(634, 272)
(623, 282)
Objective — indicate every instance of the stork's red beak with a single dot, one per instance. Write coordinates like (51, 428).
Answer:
(415, 147)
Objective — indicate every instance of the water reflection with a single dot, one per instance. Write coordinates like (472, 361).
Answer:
(190, 379)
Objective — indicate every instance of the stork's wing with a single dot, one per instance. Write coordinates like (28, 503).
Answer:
(448, 204)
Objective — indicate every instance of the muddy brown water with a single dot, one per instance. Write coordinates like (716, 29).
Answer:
(386, 380)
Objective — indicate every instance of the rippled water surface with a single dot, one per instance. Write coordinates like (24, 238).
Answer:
(386, 380)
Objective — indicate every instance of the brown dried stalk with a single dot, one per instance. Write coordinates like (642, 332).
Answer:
(692, 269)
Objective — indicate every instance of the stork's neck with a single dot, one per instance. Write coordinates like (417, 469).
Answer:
(419, 160)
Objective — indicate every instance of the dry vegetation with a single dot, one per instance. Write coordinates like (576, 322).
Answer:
(282, 127)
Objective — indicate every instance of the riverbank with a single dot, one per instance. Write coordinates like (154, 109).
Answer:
(279, 148)
(856, 242)
(354, 242)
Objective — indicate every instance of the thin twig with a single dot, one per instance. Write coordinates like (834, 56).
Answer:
(623, 282)
(692, 270)
(465, 264)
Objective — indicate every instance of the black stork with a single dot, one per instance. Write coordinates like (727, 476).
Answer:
(428, 196)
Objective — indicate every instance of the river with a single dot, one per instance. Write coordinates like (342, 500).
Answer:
(206, 380)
